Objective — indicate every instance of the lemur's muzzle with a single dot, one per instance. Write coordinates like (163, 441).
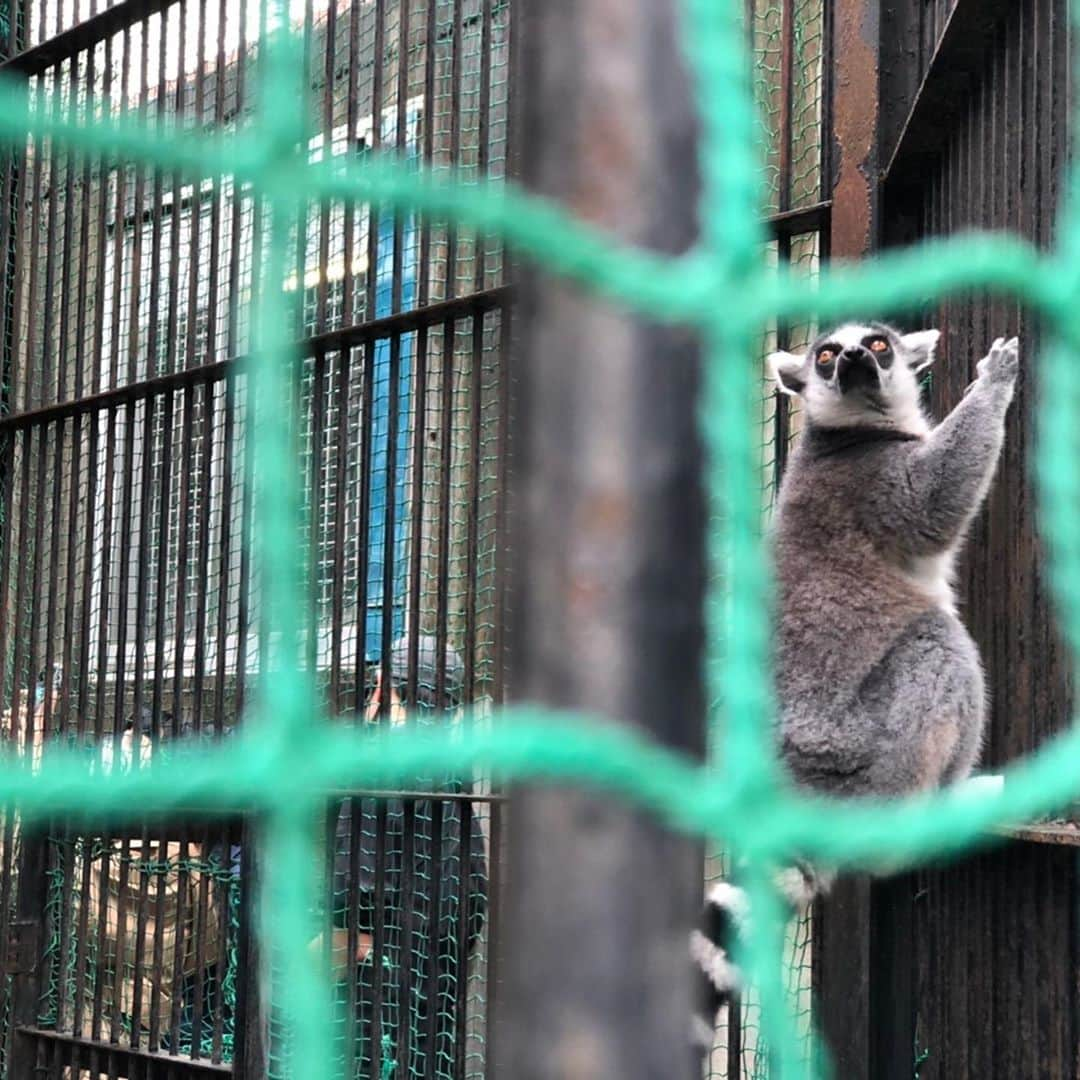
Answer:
(856, 369)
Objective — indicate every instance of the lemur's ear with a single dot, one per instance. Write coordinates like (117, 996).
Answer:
(789, 371)
(921, 348)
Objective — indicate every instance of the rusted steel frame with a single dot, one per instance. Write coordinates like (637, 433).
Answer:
(853, 61)
(842, 925)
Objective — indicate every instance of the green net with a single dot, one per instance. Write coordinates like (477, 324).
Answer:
(288, 755)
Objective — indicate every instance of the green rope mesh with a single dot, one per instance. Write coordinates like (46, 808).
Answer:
(117, 968)
(288, 755)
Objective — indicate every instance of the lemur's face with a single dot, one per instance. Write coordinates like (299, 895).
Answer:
(859, 375)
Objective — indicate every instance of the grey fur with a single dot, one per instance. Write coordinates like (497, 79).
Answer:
(880, 687)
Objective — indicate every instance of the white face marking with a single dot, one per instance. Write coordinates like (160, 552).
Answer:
(895, 404)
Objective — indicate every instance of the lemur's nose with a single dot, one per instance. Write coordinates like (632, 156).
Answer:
(856, 352)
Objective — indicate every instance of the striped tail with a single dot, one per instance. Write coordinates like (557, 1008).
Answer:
(725, 924)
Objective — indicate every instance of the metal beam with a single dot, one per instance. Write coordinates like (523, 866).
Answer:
(607, 532)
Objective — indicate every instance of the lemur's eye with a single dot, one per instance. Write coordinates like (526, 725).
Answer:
(826, 356)
(879, 345)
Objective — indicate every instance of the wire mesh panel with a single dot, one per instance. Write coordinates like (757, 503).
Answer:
(129, 477)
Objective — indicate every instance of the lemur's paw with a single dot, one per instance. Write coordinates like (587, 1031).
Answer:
(1002, 363)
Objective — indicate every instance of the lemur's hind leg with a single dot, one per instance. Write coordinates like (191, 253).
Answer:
(925, 703)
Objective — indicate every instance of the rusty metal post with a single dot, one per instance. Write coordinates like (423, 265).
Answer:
(842, 923)
(607, 532)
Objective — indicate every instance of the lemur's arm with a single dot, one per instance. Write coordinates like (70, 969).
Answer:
(945, 479)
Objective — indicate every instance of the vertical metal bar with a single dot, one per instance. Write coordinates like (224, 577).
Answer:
(198, 930)
(435, 889)
(182, 942)
(183, 528)
(213, 287)
(104, 856)
(123, 866)
(373, 211)
(483, 129)
(9, 622)
(193, 353)
(119, 228)
(52, 603)
(142, 866)
(20, 692)
(316, 502)
(786, 135)
(225, 548)
(237, 226)
(352, 932)
(105, 577)
(221, 898)
(250, 1046)
(502, 455)
(205, 503)
(245, 541)
(172, 361)
(26, 991)
(81, 329)
(351, 120)
(341, 458)
(329, 66)
(157, 213)
(82, 938)
(162, 861)
(461, 959)
(409, 898)
(735, 1039)
(76, 505)
(149, 410)
(442, 577)
(33, 634)
(120, 671)
(607, 614)
(473, 505)
(161, 578)
(363, 520)
(134, 290)
(33, 241)
(416, 528)
(67, 285)
(457, 32)
(493, 971)
(378, 937)
(64, 854)
(430, 33)
(390, 520)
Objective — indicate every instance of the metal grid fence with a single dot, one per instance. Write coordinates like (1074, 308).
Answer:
(135, 600)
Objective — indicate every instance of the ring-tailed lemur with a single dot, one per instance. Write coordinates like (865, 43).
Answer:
(880, 687)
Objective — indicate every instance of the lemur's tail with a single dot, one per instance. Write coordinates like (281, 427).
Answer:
(724, 925)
